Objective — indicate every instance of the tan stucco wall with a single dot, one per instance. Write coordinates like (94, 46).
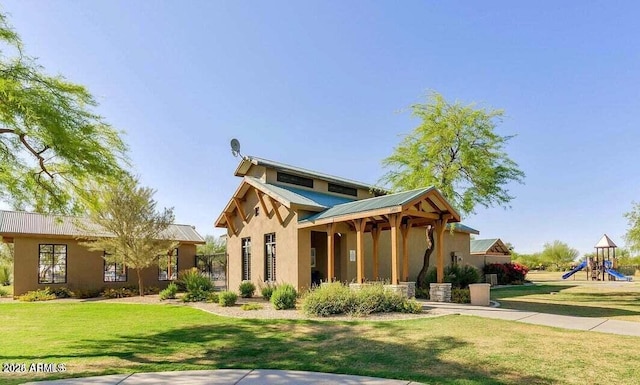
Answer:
(287, 248)
(480, 260)
(84, 267)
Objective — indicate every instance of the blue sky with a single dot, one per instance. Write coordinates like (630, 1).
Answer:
(325, 85)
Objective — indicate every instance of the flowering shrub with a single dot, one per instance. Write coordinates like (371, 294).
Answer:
(508, 273)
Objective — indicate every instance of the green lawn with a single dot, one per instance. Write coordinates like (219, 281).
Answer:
(102, 338)
(608, 299)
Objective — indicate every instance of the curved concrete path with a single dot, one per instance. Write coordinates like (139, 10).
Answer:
(602, 325)
(227, 377)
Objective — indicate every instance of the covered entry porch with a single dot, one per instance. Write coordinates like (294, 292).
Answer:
(352, 251)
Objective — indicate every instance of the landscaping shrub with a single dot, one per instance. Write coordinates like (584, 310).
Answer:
(86, 293)
(227, 298)
(150, 290)
(251, 306)
(119, 292)
(61, 292)
(267, 290)
(213, 297)
(336, 298)
(196, 285)
(460, 295)
(170, 292)
(507, 273)
(327, 299)
(458, 276)
(5, 275)
(284, 297)
(193, 281)
(4, 292)
(247, 289)
(37, 295)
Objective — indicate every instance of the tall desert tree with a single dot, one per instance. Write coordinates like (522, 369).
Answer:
(133, 231)
(454, 148)
(52, 144)
(632, 237)
(558, 254)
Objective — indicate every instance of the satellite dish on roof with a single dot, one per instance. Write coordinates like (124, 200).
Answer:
(235, 147)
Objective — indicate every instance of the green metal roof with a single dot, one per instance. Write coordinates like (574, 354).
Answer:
(462, 228)
(363, 205)
(300, 197)
(479, 246)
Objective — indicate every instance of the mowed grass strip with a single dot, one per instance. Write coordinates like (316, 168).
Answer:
(606, 299)
(94, 338)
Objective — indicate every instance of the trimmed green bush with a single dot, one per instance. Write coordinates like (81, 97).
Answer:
(86, 293)
(458, 276)
(195, 296)
(247, 289)
(284, 297)
(170, 292)
(251, 306)
(327, 299)
(213, 297)
(4, 292)
(61, 292)
(37, 295)
(460, 295)
(267, 290)
(227, 298)
(336, 298)
(119, 292)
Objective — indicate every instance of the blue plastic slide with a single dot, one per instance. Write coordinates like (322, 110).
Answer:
(617, 274)
(577, 269)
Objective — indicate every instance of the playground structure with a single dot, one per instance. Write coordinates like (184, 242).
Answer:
(603, 265)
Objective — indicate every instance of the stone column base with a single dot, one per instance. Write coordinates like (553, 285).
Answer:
(411, 289)
(440, 292)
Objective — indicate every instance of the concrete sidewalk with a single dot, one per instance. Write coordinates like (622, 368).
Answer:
(603, 325)
(227, 377)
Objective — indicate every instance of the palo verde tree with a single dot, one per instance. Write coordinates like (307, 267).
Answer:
(132, 231)
(52, 145)
(454, 148)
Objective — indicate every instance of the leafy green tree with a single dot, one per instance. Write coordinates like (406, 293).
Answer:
(558, 254)
(133, 231)
(212, 245)
(52, 145)
(455, 149)
(632, 237)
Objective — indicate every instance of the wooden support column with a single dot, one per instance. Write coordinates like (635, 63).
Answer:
(394, 221)
(331, 229)
(360, 225)
(375, 234)
(404, 229)
(441, 226)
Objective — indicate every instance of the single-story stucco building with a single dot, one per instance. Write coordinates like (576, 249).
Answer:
(288, 224)
(47, 252)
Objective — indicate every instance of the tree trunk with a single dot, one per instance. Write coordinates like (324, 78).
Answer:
(422, 276)
(140, 288)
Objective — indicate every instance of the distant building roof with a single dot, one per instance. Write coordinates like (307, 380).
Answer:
(21, 222)
(488, 246)
(605, 242)
(462, 228)
(247, 161)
